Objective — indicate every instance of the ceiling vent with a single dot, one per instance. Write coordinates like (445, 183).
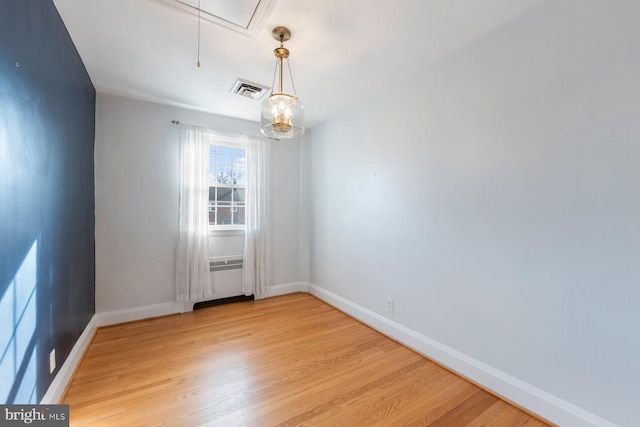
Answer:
(249, 89)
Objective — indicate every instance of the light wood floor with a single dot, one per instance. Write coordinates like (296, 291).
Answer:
(287, 361)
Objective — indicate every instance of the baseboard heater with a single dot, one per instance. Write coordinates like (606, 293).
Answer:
(221, 301)
(222, 263)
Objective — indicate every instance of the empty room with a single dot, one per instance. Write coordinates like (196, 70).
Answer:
(336, 213)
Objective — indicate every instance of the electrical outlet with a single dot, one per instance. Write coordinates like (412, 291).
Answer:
(390, 305)
(52, 361)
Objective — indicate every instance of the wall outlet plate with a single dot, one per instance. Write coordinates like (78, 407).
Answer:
(52, 361)
(390, 305)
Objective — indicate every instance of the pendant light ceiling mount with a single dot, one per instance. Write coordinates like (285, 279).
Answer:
(282, 114)
(281, 34)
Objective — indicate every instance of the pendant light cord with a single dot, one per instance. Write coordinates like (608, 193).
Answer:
(291, 76)
(273, 83)
(199, 33)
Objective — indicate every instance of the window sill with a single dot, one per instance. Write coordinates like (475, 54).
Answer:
(226, 231)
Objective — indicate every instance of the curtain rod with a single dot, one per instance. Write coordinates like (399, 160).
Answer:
(224, 132)
(218, 131)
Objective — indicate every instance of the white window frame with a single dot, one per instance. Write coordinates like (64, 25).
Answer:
(232, 141)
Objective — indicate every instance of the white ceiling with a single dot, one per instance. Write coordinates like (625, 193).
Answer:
(342, 51)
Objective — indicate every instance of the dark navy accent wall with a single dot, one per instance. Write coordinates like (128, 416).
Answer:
(47, 225)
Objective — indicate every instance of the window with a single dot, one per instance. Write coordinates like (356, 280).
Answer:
(227, 181)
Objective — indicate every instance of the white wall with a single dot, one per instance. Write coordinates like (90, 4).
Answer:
(136, 173)
(285, 203)
(495, 198)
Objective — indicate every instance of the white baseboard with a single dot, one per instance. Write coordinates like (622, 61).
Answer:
(148, 311)
(114, 317)
(283, 289)
(512, 389)
(63, 377)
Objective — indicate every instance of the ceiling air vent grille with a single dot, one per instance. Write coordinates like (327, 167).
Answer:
(249, 89)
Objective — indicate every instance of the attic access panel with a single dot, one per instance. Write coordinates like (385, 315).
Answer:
(244, 16)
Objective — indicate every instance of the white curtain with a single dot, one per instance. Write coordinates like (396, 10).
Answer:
(255, 271)
(193, 280)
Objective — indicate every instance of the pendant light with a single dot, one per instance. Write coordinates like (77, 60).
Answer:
(282, 114)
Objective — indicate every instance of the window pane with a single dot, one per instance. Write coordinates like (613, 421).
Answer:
(224, 174)
(212, 164)
(238, 215)
(212, 157)
(224, 156)
(224, 195)
(224, 215)
(228, 175)
(212, 205)
(239, 158)
(227, 167)
(240, 176)
(238, 195)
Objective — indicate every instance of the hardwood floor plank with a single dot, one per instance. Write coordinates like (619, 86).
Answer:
(286, 361)
(465, 412)
(403, 394)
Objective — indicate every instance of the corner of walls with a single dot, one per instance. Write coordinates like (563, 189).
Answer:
(283, 289)
(61, 382)
(304, 212)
